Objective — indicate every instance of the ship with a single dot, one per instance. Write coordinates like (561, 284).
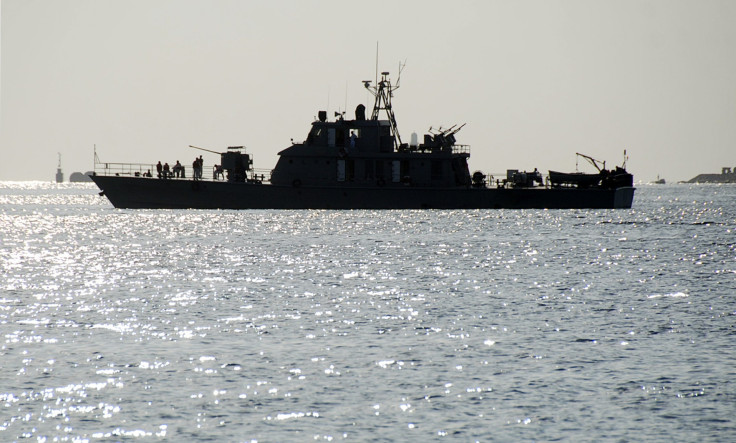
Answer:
(360, 163)
(59, 174)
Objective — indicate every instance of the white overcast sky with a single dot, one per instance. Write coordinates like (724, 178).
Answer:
(535, 81)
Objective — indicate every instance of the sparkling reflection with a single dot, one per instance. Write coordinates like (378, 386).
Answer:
(357, 325)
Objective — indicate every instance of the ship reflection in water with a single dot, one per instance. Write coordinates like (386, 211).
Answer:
(363, 164)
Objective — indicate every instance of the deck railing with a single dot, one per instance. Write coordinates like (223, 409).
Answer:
(209, 172)
(461, 149)
(500, 180)
(456, 149)
(130, 169)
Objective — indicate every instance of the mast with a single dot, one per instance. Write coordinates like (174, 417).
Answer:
(383, 91)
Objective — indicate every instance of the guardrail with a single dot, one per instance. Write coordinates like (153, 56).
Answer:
(131, 169)
(461, 149)
(209, 172)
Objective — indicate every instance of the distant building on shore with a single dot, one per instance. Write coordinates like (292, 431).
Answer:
(78, 177)
(727, 175)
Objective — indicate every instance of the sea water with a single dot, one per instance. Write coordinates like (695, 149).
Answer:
(480, 325)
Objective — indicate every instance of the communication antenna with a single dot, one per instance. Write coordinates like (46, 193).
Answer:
(376, 82)
(398, 78)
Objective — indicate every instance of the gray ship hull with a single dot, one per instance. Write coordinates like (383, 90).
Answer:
(153, 193)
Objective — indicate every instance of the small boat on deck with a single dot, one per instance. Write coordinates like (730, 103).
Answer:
(611, 179)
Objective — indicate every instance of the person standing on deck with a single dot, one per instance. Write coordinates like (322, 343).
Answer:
(353, 137)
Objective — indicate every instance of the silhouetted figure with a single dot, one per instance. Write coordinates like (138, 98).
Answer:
(177, 169)
(197, 166)
(353, 137)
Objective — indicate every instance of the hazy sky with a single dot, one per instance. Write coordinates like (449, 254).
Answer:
(535, 81)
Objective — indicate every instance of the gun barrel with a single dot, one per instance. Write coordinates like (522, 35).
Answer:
(203, 149)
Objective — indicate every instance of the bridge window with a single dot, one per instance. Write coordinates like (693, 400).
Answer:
(336, 137)
(315, 136)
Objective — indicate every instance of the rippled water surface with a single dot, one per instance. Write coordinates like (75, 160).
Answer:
(490, 325)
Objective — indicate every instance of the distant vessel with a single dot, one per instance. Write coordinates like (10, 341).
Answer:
(361, 164)
(727, 175)
(659, 181)
(59, 174)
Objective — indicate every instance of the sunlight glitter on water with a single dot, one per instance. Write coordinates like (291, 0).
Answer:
(407, 325)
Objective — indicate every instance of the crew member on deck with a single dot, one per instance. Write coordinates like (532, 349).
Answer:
(195, 166)
(177, 169)
(353, 137)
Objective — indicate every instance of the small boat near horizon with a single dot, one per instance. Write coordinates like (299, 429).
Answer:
(659, 181)
(59, 175)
